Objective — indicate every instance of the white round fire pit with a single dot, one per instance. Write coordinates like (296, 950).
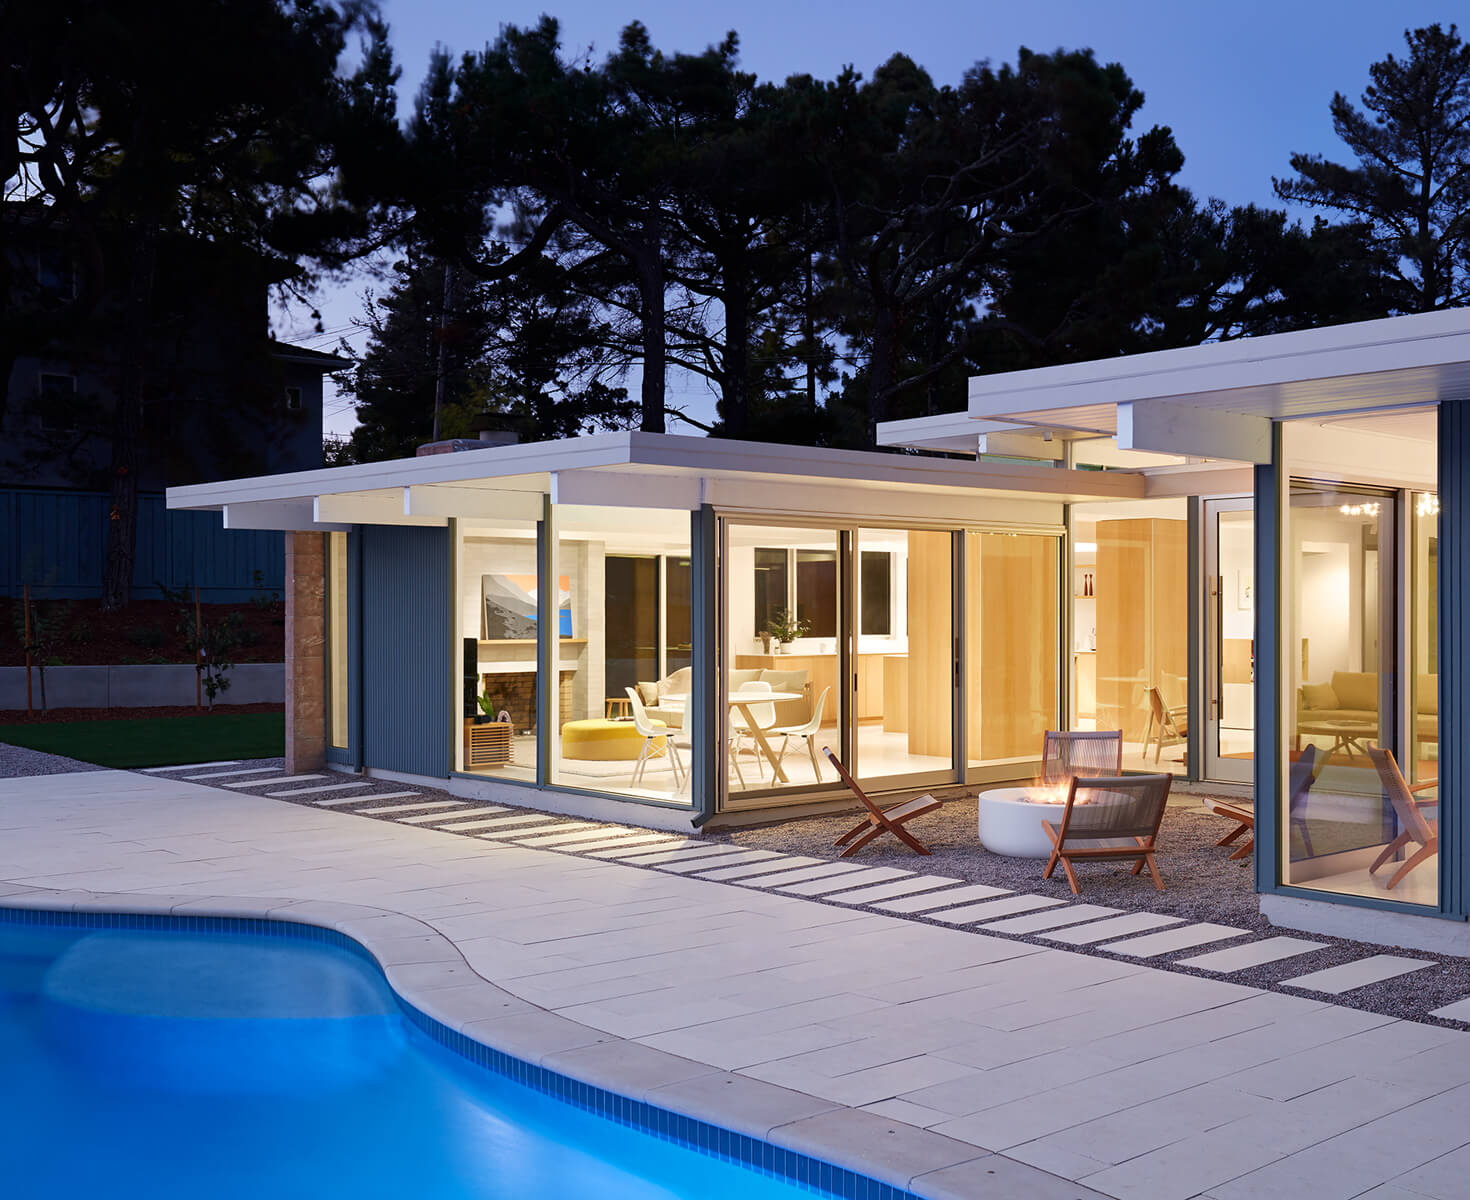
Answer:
(1010, 819)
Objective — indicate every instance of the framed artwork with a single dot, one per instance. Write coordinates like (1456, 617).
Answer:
(509, 606)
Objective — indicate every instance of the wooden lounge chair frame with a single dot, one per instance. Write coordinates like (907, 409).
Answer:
(1164, 723)
(880, 820)
(1415, 825)
(1299, 781)
(1144, 834)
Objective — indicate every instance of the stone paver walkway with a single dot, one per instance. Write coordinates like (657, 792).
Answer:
(1131, 1080)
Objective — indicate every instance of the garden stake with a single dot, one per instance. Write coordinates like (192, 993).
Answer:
(27, 602)
(198, 653)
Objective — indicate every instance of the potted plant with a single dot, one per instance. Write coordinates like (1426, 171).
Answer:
(487, 709)
(786, 627)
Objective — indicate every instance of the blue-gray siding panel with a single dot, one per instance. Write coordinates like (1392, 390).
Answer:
(56, 541)
(405, 606)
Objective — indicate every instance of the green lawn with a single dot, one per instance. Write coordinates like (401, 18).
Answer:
(160, 742)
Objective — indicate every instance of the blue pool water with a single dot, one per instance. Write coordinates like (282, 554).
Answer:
(169, 1064)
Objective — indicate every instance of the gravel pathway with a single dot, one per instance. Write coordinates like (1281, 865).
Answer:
(17, 760)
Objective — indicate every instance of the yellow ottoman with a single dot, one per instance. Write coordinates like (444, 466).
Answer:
(598, 740)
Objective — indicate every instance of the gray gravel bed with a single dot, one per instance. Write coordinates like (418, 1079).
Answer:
(16, 761)
(1201, 884)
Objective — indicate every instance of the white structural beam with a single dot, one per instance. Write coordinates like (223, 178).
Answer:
(368, 508)
(1171, 427)
(1336, 452)
(1020, 444)
(441, 500)
(627, 489)
(286, 515)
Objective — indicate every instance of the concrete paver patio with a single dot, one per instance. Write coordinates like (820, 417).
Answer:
(1130, 1080)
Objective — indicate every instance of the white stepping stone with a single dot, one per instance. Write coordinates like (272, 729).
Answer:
(818, 887)
(970, 913)
(520, 831)
(625, 850)
(438, 819)
(1458, 1011)
(1054, 919)
(412, 809)
(930, 900)
(312, 791)
(327, 803)
(224, 762)
(647, 841)
(747, 870)
(801, 875)
(702, 864)
(228, 774)
(654, 856)
(563, 839)
(1256, 954)
(478, 813)
(1153, 944)
(1113, 927)
(1373, 969)
(271, 782)
(510, 822)
(888, 891)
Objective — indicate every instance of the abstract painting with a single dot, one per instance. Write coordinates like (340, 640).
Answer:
(509, 603)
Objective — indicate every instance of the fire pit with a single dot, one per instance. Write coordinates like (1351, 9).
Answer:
(1010, 819)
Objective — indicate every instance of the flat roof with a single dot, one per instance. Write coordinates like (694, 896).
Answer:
(1365, 366)
(653, 471)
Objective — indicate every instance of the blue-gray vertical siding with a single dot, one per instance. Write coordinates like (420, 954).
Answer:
(1454, 653)
(1270, 494)
(56, 541)
(405, 683)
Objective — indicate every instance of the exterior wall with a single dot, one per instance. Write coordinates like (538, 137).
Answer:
(407, 675)
(140, 686)
(306, 666)
(56, 541)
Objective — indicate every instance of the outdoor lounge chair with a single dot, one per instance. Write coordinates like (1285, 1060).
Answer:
(1166, 726)
(1065, 756)
(1127, 808)
(881, 820)
(1414, 826)
(1299, 782)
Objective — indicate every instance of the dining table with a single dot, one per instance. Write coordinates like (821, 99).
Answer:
(742, 702)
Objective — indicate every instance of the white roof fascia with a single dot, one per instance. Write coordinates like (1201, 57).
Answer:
(1408, 343)
(529, 469)
(297, 516)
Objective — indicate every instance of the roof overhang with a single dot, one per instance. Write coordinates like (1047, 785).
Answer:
(1220, 399)
(641, 470)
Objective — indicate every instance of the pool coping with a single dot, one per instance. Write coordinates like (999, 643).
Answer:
(874, 1158)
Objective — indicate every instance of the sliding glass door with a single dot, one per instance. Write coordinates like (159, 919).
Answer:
(1230, 658)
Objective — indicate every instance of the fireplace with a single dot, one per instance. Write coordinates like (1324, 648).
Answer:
(515, 693)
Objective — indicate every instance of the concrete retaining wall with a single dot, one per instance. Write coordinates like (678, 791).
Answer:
(144, 686)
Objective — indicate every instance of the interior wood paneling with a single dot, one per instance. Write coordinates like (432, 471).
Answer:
(1012, 686)
(931, 644)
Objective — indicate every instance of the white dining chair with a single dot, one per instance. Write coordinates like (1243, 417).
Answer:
(764, 716)
(808, 730)
(658, 741)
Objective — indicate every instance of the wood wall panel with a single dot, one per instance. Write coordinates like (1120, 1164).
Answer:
(931, 644)
(1012, 688)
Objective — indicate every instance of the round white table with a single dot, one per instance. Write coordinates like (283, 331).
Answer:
(1010, 821)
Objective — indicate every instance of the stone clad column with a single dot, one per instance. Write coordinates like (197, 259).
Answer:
(306, 648)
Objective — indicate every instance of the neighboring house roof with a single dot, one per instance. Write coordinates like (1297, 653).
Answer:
(308, 357)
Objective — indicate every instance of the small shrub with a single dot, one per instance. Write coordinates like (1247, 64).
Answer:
(150, 637)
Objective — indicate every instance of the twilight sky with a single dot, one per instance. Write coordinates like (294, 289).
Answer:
(1241, 85)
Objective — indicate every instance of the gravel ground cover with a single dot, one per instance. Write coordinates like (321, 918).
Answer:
(1201, 884)
(18, 760)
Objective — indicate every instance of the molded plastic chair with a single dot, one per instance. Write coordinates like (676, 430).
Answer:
(1084, 753)
(1414, 825)
(808, 730)
(764, 716)
(1102, 810)
(658, 741)
(881, 820)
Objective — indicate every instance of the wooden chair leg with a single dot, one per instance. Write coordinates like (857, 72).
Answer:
(909, 839)
(1306, 838)
(873, 832)
(1390, 850)
(1071, 875)
(1154, 871)
(1427, 851)
(1233, 834)
(865, 823)
(1246, 847)
(1051, 865)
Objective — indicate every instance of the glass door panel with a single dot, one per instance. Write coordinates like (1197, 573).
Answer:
(903, 673)
(1230, 658)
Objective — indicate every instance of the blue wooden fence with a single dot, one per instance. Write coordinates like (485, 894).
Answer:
(56, 542)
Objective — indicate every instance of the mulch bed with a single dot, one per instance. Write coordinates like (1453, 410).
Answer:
(62, 716)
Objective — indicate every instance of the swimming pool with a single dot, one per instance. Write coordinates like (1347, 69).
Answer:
(167, 1063)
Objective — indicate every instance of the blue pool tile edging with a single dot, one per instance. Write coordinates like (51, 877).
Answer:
(755, 1154)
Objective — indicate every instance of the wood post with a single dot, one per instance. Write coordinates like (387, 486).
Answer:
(198, 654)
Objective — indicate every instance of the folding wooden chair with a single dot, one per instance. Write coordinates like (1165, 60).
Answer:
(1415, 826)
(1299, 780)
(881, 820)
(1129, 808)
